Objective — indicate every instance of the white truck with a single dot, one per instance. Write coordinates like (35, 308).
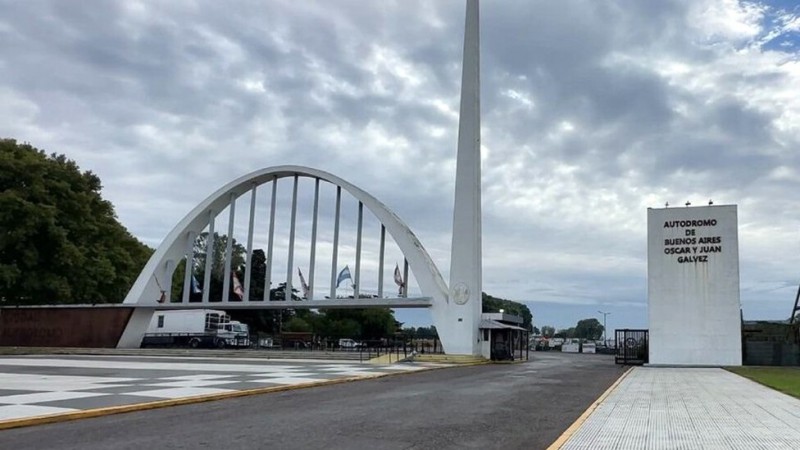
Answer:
(195, 328)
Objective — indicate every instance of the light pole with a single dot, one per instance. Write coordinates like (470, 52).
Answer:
(605, 334)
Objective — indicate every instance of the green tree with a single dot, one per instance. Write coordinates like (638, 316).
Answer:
(273, 321)
(368, 324)
(216, 284)
(565, 334)
(60, 241)
(217, 281)
(297, 324)
(427, 332)
(494, 305)
(177, 284)
(334, 329)
(377, 323)
(589, 329)
(270, 321)
(238, 254)
(258, 273)
(548, 331)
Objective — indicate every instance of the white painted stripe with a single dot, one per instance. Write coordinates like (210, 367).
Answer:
(42, 397)
(179, 392)
(149, 365)
(33, 378)
(264, 361)
(192, 383)
(17, 411)
(199, 377)
(288, 380)
(282, 373)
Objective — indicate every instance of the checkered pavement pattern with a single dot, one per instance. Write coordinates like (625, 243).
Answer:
(31, 387)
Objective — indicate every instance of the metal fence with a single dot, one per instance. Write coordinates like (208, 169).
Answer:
(632, 347)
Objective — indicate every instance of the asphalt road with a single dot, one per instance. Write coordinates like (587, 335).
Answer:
(489, 407)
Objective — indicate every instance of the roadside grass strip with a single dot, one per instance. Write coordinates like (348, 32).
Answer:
(783, 379)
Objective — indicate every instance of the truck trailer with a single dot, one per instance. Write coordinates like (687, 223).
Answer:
(195, 328)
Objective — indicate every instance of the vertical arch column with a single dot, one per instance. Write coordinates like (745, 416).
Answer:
(227, 273)
(209, 257)
(248, 270)
(270, 240)
(313, 256)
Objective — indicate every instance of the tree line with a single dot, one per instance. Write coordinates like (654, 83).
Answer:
(590, 329)
(494, 305)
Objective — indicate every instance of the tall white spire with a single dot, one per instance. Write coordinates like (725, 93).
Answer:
(465, 264)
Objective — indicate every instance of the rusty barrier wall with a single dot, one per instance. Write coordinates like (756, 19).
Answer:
(770, 343)
(59, 326)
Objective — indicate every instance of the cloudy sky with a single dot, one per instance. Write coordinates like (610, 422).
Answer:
(592, 112)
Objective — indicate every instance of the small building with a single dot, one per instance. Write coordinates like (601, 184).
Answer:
(504, 339)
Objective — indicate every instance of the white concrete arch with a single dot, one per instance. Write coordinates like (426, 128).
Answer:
(156, 277)
(157, 273)
(457, 322)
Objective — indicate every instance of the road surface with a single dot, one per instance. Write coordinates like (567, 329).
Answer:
(525, 405)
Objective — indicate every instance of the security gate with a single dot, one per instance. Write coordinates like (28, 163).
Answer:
(632, 347)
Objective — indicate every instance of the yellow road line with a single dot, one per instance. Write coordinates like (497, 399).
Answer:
(577, 424)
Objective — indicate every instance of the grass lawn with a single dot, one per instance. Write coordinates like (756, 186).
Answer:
(784, 379)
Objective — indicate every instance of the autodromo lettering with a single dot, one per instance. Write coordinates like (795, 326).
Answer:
(690, 223)
(689, 247)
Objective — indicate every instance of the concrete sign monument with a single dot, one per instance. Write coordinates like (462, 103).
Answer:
(693, 286)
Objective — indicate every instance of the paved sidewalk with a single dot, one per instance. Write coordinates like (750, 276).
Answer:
(677, 408)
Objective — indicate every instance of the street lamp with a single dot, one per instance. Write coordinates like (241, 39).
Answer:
(605, 333)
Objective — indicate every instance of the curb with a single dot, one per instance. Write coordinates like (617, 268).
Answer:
(558, 443)
(385, 360)
(516, 361)
(111, 410)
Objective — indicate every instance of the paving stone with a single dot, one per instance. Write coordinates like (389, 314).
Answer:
(690, 408)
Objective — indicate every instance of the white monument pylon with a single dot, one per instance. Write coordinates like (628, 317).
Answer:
(458, 322)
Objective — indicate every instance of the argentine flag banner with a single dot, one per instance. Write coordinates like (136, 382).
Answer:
(343, 275)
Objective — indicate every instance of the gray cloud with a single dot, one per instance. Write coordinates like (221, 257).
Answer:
(592, 111)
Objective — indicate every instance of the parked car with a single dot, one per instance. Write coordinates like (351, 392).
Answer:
(350, 344)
